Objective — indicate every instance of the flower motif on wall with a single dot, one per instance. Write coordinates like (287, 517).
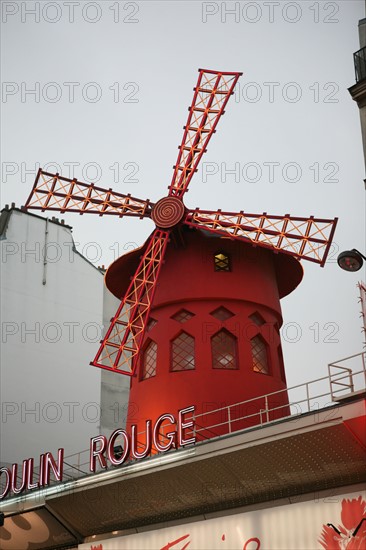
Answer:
(351, 535)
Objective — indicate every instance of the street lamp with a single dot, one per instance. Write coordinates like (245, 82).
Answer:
(350, 260)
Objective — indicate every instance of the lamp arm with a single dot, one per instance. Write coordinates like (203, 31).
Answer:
(358, 252)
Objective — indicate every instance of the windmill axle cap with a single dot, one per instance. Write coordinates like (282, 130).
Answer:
(168, 212)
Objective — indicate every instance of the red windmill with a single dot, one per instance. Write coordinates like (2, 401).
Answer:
(265, 248)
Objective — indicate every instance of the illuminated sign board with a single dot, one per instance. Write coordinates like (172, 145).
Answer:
(102, 451)
(46, 463)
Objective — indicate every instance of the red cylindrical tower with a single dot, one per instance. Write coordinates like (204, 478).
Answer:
(213, 336)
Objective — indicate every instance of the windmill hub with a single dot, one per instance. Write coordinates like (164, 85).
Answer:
(168, 212)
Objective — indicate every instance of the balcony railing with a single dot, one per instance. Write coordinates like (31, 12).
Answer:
(360, 64)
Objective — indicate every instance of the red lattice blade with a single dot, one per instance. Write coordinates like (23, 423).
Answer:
(308, 238)
(121, 345)
(54, 192)
(211, 95)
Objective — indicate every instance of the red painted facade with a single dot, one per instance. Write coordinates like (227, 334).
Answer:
(256, 280)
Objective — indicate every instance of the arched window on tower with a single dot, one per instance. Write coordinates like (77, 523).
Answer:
(259, 354)
(182, 352)
(149, 360)
(223, 348)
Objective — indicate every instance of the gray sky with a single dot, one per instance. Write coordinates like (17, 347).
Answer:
(112, 83)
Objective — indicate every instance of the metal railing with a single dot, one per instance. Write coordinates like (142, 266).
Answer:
(340, 383)
(342, 378)
(311, 396)
(359, 59)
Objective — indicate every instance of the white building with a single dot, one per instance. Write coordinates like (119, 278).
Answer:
(52, 301)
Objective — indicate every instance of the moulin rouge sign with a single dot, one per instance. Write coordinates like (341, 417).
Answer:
(102, 450)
